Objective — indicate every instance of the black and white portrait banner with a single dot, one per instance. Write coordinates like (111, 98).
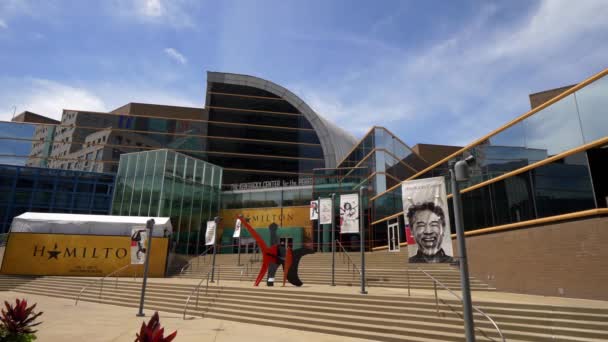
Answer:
(427, 220)
(139, 243)
(326, 211)
(210, 233)
(237, 229)
(314, 210)
(349, 213)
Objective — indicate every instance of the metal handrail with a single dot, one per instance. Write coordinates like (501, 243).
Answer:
(101, 280)
(197, 260)
(244, 269)
(435, 282)
(3, 239)
(197, 289)
(344, 252)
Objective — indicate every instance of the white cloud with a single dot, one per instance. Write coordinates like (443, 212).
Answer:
(49, 98)
(469, 82)
(176, 56)
(45, 97)
(150, 8)
(3, 24)
(175, 13)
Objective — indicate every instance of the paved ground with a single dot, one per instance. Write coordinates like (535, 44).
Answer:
(62, 321)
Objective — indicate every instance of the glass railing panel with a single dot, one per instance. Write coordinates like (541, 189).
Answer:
(554, 129)
(592, 102)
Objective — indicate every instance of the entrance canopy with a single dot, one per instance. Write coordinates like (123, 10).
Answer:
(86, 224)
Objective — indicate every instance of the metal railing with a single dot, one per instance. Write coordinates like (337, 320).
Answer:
(435, 282)
(3, 239)
(345, 256)
(245, 269)
(198, 288)
(100, 280)
(198, 258)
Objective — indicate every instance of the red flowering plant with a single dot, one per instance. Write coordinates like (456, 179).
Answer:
(16, 322)
(153, 332)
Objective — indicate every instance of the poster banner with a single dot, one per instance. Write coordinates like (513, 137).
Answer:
(78, 255)
(210, 233)
(426, 214)
(326, 211)
(237, 229)
(349, 213)
(314, 210)
(139, 243)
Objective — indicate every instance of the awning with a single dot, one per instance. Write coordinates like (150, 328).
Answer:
(50, 223)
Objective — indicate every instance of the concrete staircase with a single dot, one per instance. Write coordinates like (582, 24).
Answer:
(392, 316)
(383, 269)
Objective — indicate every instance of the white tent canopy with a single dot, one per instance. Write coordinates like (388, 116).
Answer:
(86, 224)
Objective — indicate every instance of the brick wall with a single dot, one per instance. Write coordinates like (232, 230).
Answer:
(567, 259)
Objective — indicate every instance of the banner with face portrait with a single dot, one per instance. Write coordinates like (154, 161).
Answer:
(349, 213)
(427, 218)
(237, 229)
(314, 210)
(139, 244)
(210, 233)
(325, 211)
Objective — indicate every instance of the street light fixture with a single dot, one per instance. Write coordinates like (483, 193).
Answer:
(459, 172)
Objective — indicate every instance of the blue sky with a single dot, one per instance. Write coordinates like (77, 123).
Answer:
(443, 72)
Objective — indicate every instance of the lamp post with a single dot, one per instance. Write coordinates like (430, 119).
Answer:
(319, 225)
(150, 228)
(333, 243)
(459, 172)
(238, 263)
(217, 222)
(362, 238)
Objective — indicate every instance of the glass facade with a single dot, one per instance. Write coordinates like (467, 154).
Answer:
(379, 161)
(295, 149)
(267, 198)
(165, 183)
(573, 183)
(54, 191)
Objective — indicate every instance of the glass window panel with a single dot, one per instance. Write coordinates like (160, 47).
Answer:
(563, 186)
(512, 199)
(18, 130)
(592, 103)
(147, 190)
(476, 209)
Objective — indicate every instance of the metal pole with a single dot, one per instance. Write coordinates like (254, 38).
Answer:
(238, 263)
(217, 222)
(362, 239)
(239, 251)
(319, 225)
(150, 228)
(333, 243)
(464, 270)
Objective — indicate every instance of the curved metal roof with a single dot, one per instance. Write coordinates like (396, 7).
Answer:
(335, 141)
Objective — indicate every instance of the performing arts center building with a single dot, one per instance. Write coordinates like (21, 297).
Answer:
(535, 206)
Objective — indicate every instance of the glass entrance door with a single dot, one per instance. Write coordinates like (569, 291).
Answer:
(286, 242)
(393, 236)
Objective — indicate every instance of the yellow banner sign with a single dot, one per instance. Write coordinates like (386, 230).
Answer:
(263, 217)
(77, 255)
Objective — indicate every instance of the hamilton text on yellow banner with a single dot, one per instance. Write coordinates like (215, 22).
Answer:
(76, 255)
